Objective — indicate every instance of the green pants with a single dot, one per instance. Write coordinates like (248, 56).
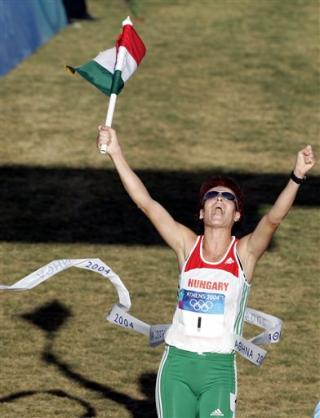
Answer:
(192, 385)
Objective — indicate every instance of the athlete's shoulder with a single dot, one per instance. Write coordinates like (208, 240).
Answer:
(191, 239)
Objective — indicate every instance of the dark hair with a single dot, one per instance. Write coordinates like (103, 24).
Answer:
(223, 181)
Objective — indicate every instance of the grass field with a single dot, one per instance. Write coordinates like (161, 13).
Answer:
(227, 86)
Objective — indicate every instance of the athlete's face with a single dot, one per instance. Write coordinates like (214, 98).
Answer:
(220, 207)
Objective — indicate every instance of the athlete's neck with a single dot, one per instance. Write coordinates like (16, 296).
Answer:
(215, 243)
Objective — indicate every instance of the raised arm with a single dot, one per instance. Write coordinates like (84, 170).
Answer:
(252, 246)
(176, 235)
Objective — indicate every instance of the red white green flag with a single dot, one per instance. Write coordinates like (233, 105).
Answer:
(112, 68)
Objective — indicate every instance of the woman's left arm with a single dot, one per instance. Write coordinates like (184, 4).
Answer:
(252, 246)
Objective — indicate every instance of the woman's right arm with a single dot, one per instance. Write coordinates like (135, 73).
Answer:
(177, 236)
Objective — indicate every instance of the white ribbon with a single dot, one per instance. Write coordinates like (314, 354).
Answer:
(248, 348)
(119, 313)
(56, 266)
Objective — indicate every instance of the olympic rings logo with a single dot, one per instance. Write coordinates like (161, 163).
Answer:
(201, 305)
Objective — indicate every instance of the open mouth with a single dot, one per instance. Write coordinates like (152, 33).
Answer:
(218, 210)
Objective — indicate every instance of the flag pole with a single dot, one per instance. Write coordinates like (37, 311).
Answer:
(109, 118)
(121, 56)
(111, 108)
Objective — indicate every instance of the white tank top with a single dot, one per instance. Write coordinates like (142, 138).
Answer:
(212, 298)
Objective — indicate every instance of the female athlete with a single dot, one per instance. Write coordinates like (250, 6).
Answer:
(197, 374)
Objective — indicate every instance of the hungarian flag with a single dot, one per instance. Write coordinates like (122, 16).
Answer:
(109, 70)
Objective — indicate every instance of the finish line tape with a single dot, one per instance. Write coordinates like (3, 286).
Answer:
(120, 316)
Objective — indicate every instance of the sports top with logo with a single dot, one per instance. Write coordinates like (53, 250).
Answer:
(212, 299)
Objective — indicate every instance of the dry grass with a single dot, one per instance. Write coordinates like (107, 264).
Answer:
(226, 86)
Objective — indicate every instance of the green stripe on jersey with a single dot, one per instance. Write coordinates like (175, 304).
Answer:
(238, 326)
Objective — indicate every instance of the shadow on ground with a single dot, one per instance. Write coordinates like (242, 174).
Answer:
(50, 317)
(89, 411)
(90, 205)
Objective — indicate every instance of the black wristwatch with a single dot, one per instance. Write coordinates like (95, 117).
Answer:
(296, 179)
